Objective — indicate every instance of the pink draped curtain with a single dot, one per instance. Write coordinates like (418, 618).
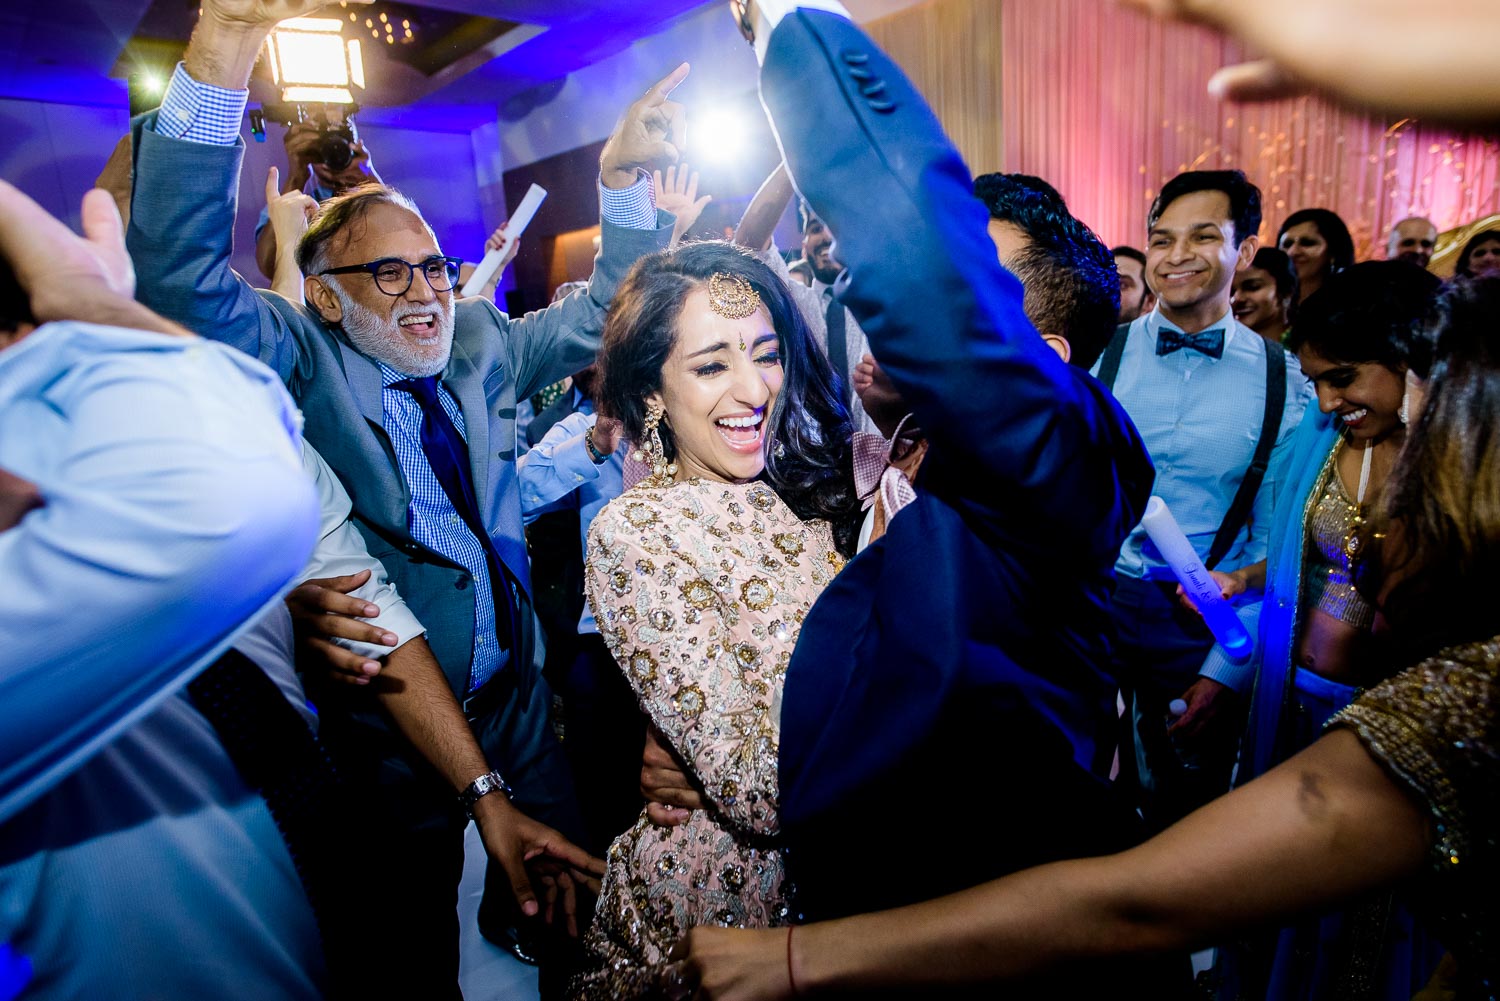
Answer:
(1108, 104)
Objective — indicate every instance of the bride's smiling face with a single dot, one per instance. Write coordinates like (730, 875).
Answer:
(718, 388)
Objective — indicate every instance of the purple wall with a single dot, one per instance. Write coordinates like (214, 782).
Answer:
(53, 152)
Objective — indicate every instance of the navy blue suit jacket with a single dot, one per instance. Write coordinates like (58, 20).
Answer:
(949, 712)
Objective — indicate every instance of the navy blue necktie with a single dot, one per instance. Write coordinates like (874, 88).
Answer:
(448, 455)
(1207, 342)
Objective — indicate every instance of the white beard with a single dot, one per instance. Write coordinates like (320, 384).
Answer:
(382, 339)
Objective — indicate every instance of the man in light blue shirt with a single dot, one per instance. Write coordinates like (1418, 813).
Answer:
(152, 506)
(1203, 391)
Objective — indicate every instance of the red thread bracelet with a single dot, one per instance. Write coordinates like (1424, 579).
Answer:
(790, 979)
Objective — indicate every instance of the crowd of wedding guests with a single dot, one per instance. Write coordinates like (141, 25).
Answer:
(784, 622)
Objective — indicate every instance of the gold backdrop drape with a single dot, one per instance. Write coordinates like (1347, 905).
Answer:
(1108, 104)
(951, 49)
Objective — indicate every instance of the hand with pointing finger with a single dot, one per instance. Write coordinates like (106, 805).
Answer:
(652, 134)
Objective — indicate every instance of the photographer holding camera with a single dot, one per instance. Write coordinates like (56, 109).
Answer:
(325, 149)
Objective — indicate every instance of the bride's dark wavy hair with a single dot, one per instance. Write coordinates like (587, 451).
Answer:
(809, 461)
(1441, 508)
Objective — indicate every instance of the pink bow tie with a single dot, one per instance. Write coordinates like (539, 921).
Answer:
(874, 473)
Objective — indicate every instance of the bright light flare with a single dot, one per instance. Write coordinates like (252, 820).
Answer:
(718, 137)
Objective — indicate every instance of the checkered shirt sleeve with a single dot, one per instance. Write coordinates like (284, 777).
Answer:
(200, 112)
(629, 208)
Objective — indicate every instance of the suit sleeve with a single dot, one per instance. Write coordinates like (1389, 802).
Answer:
(549, 344)
(180, 238)
(1031, 434)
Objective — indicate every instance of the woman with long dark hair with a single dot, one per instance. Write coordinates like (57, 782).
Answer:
(700, 577)
(1319, 245)
(1403, 789)
(1480, 256)
(1317, 643)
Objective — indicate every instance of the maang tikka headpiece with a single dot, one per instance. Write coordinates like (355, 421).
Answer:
(732, 297)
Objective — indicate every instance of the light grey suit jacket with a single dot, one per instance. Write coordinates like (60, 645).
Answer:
(179, 238)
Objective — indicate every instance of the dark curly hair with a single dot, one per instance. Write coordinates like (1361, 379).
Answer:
(809, 462)
(1244, 198)
(1442, 506)
(1071, 284)
(1376, 311)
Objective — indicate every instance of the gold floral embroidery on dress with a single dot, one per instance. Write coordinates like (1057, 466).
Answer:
(1434, 727)
(756, 594)
(699, 590)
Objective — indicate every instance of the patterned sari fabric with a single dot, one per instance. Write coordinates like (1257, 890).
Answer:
(1436, 729)
(700, 590)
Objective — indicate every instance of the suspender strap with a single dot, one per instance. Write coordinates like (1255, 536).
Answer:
(1109, 362)
(1270, 427)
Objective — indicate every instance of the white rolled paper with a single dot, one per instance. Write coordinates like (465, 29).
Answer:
(1217, 613)
(514, 227)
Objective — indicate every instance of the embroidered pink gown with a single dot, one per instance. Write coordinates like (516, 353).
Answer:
(699, 589)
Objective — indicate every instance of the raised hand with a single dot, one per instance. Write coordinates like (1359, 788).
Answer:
(652, 134)
(290, 211)
(677, 193)
(228, 36)
(258, 13)
(56, 268)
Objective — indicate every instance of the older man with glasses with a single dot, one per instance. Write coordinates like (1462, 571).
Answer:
(410, 395)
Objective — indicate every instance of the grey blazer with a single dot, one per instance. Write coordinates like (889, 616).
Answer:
(179, 237)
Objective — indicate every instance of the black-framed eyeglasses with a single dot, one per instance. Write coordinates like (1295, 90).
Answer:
(393, 276)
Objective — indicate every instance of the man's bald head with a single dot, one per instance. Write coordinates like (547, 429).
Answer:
(1413, 239)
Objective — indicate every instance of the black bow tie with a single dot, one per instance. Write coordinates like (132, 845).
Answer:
(1207, 342)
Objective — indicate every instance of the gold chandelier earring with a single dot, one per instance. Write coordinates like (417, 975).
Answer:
(651, 451)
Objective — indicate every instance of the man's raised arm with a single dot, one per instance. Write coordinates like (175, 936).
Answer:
(551, 343)
(949, 328)
(187, 168)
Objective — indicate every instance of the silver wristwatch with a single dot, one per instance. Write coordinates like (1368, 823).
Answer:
(484, 785)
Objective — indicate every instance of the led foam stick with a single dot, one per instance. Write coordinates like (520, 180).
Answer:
(1217, 613)
(514, 227)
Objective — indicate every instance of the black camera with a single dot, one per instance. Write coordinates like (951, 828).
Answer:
(336, 139)
(335, 148)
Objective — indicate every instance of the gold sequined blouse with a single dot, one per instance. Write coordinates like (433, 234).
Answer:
(1436, 730)
(1329, 568)
(699, 589)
